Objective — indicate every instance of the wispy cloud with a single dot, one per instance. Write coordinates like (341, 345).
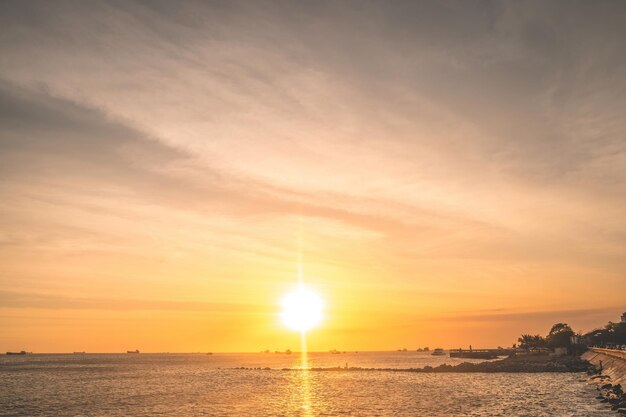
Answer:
(22, 300)
(415, 146)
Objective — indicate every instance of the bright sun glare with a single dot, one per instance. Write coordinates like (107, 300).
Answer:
(302, 309)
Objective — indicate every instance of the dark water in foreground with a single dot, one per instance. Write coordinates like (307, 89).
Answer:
(201, 385)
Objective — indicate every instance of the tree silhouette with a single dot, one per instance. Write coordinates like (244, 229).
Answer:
(612, 334)
(560, 336)
(527, 341)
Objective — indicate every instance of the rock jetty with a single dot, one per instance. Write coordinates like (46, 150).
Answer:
(611, 394)
(512, 364)
(609, 375)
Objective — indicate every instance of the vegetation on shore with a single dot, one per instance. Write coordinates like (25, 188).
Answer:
(611, 334)
(561, 335)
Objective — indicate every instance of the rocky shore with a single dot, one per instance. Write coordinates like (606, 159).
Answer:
(526, 363)
(609, 393)
(512, 364)
(609, 373)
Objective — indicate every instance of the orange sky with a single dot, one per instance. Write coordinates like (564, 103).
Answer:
(453, 174)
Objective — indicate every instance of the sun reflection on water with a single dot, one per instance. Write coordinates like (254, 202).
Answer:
(305, 386)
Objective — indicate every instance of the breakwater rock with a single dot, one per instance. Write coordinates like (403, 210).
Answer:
(611, 394)
(512, 364)
(610, 369)
(521, 363)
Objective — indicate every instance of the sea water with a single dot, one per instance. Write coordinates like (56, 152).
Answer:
(208, 385)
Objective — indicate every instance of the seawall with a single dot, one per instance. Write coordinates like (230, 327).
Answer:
(613, 363)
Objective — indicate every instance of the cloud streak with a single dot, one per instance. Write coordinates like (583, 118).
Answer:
(19, 300)
(150, 150)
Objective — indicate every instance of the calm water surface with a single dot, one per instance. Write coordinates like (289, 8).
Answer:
(201, 385)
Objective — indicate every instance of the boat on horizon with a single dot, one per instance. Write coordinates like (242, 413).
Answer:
(438, 352)
(78, 353)
(21, 352)
(133, 351)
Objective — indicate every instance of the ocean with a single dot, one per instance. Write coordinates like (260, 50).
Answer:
(208, 385)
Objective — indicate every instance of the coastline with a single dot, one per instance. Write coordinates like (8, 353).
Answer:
(610, 367)
(210, 385)
(511, 364)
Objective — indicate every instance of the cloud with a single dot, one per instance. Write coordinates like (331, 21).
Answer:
(417, 146)
(25, 300)
(63, 143)
(590, 315)
(461, 100)
(43, 134)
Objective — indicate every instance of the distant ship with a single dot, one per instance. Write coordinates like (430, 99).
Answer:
(438, 352)
(21, 352)
(79, 353)
(133, 351)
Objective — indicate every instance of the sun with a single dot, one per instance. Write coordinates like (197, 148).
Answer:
(302, 309)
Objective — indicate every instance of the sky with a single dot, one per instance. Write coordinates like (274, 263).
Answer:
(450, 173)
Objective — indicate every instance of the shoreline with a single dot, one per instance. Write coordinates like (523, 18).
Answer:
(511, 364)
